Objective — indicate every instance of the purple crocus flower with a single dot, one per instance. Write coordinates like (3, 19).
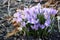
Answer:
(27, 14)
(53, 11)
(17, 14)
(35, 27)
(47, 22)
(46, 13)
(23, 24)
(14, 19)
(19, 19)
(46, 16)
(42, 26)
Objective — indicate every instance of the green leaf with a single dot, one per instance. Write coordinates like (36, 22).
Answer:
(41, 19)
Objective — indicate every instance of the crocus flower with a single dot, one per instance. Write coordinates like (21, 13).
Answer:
(17, 14)
(46, 15)
(42, 26)
(47, 22)
(35, 27)
(19, 19)
(53, 11)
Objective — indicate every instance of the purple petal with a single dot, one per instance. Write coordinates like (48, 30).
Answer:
(47, 22)
(42, 26)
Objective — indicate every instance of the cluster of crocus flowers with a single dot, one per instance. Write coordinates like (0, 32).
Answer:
(29, 15)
